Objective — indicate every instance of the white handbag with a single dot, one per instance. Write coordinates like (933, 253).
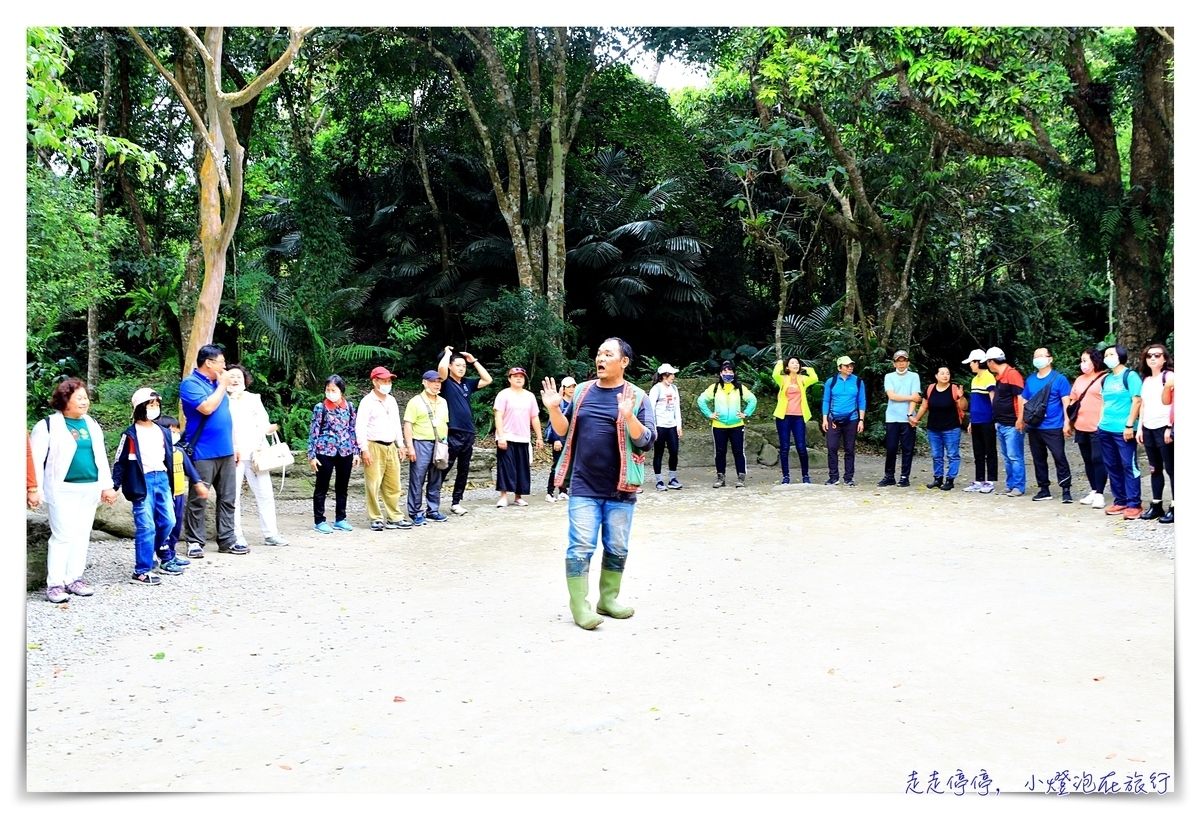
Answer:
(274, 455)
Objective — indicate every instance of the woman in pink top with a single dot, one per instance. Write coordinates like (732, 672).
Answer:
(516, 415)
(1086, 393)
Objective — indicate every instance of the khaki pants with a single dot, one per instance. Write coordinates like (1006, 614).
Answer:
(383, 482)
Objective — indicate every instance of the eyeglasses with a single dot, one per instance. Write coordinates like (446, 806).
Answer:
(1154, 354)
(849, 365)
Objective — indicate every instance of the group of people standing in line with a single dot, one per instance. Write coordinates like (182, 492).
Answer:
(599, 431)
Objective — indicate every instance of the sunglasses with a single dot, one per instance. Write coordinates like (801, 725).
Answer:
(1154, 354)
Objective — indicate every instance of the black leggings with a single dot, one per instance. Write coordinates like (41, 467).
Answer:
(735, 437)
(1161, 456)
(983, 447)
(668, 437)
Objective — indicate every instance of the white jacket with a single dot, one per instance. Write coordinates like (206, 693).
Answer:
(250, 422)
(60, 444)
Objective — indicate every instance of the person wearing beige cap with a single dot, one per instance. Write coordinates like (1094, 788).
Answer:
(981, 427)
(843, 411)
(380, 436)
(903, 388)
(566, 389)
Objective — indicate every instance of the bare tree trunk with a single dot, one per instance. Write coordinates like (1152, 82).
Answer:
(124, 107)
(93, 312)
(852, 311)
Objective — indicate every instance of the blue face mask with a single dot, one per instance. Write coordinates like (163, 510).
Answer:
(727, 377)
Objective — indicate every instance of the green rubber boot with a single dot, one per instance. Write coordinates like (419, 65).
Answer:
(581, 611)
(610, 586)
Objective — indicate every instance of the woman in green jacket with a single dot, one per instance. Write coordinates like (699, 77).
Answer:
(728, 403)
(792, 412)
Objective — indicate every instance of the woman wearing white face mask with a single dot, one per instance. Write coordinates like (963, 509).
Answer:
(1087, 402)
(332, 448)
(250, 426)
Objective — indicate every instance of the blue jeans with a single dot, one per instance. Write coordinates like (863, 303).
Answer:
(153, 519)
(791, 427)
(1118, 462)
(944, 445)
(589, 517)
(1012, 449)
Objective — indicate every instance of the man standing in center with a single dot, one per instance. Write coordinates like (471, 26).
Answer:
(903, 388)
(425, 419)
(1049, 433)
(1009, 385)
(457, 390)
(608, 428)
(381, 441)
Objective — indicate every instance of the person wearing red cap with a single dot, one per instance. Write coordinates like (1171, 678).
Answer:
(516, 411)
(381, 441)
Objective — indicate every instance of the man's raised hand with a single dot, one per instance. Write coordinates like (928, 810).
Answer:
(550, 396)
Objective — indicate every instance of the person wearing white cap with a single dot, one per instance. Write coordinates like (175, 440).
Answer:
(664, 397)
(144, 471)
(981, 427)
(566, 389)
(251, 425)
(1009, 385)
(903, 388)
(71, 469)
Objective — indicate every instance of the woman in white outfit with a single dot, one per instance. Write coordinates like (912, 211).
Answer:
(250, 426)
(73, 477)
(664, 397)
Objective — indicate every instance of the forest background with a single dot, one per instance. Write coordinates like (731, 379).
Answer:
(321, 200)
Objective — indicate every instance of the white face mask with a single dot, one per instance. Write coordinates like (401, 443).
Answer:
(174, 437)
(1112, 363)
(152, 413)
(236, 388)
(1041, 363)
(385, 388)
(333, 397)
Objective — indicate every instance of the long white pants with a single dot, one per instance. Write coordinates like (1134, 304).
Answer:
(71, 516)
(264, 496)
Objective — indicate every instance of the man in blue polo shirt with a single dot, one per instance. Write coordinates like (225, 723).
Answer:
(843, 409)
(1047, 434)
(209, 428)
(457, 391)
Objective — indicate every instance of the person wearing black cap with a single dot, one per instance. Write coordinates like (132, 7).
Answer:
(381, 441)
(728, 403)
(426, 421)
(457, 390)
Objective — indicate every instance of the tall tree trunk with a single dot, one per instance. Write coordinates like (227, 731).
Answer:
(93, 311)
(124, 107)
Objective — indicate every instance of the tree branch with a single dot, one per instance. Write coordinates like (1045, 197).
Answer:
(295, 40)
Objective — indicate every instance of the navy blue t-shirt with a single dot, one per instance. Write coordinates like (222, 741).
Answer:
(596, 460)
(458, 397)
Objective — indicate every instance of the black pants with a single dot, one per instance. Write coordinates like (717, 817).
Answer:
(902, 437)
(1093, 459)
(329, 465)
(461, 444)
(221, 474)
(735, 437)
(1041, 441)
(1161, 456)
(983, 448)
(554, 458)
(668, 437)
(843, 433)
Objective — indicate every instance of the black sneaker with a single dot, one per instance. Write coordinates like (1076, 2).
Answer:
(832, 481)
(887, 481)
(1043, 494)
(903, 482)
(1067, 498)
(805, 479)
(936, 484)
(390, 524)
(850, 483)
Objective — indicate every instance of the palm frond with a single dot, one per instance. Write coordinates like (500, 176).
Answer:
(594, 255)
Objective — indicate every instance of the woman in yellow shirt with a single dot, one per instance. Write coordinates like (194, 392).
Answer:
(792, 412)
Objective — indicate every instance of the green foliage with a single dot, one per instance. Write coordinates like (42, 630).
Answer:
(522, 329)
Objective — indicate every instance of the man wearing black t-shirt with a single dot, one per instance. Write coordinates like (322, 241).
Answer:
(607, 429)
(457, 391)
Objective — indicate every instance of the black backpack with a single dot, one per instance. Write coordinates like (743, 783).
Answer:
(1035, 407)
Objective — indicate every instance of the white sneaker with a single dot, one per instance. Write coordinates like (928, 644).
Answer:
(520, 502)
(1089, 498)
(550, 498)
(975, 486)
(458, 509)
(1098, 502)
(987, 488)
(502, 502)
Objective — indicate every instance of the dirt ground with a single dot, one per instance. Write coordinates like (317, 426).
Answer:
(796, 638)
